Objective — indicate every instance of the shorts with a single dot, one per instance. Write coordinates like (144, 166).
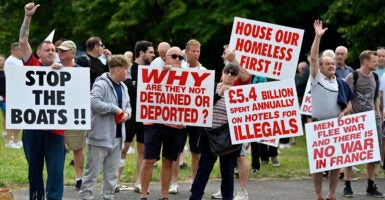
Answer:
(134, 128)
(159, 136)
(243, 150)
(75, 139)
(194, 133)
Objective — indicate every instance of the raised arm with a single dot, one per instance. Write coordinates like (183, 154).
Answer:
(29, 9)
(314, 63)
(244, 75)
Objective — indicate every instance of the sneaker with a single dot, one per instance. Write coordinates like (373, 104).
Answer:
(78, 184)
(355, 169)
(117, 188)
(275, 162)
(284, 146)
(9, 144)
(138, 188)
(183, 166)
(173, 189)
(130, 151)
(242, 195)
(348, 192)
(217, 195)
(372, 191)
(254, 170)
(236, 172)
(17, 145)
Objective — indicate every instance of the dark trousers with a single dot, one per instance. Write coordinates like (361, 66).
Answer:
(40, 145)
(206, 164)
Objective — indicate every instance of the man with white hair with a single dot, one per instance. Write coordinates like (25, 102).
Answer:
(341, 55)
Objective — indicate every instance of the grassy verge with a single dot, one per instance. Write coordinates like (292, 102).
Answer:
(294, 164)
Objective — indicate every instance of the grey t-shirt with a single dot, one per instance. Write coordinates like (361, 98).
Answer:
(364, 91)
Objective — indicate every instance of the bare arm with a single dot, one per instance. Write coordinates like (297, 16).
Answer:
(29, 9)
(346, 111)
(314, 63)
(244, 75)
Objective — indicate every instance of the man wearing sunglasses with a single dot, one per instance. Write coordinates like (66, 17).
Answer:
(161, 136)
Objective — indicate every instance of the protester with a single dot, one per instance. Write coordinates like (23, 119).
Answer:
(161, 136)
(41, 145)
(144, 54)
(208, 159)
(380, 70)
(13, 140)
(365, 87)
(163, 47)
(75, 139)
(110, 106)
(342, 69)
(193, 51)
(325, 89)
(95, 48)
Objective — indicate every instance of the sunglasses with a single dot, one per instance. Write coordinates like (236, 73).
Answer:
(231, 73)
(175, 56)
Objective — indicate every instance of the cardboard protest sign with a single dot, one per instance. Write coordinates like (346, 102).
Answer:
(175, 96)
(263, 111)
(334, 143)
(306, 101)
(266, 49)
(43, 98)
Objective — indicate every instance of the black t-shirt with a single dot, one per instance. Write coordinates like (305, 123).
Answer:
(97, 68)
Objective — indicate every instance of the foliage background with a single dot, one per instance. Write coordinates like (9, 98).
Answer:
(357, 24)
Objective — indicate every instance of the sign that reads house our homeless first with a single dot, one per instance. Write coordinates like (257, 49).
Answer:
(266, 49)
(43, 98)
(175, 96)
(263, 111)
(338, 143)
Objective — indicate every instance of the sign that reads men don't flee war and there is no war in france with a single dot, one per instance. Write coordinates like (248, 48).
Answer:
(175, 96)
(266, 49)
(43, 98)
(338, 143)
(263, 111)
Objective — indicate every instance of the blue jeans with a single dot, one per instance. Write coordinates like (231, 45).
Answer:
(40, 145)
(206, 164)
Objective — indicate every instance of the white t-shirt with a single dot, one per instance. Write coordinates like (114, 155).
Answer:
(157, 62)
(13, 61)
(186, 65)
(324, 94)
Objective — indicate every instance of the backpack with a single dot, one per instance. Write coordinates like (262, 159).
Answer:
(355, 77)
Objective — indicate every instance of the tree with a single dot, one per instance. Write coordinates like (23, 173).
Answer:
(361, 25)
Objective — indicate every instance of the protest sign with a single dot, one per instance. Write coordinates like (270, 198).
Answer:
(338, 143)
(175, 96)
(263, 111)
(306, 100)
(43, 98)
(266, 49)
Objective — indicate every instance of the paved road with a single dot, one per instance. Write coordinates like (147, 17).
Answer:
(258, 190)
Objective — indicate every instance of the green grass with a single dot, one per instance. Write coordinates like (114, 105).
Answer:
(294, 165)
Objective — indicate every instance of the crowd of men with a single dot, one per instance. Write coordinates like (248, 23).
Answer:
(114, 98)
